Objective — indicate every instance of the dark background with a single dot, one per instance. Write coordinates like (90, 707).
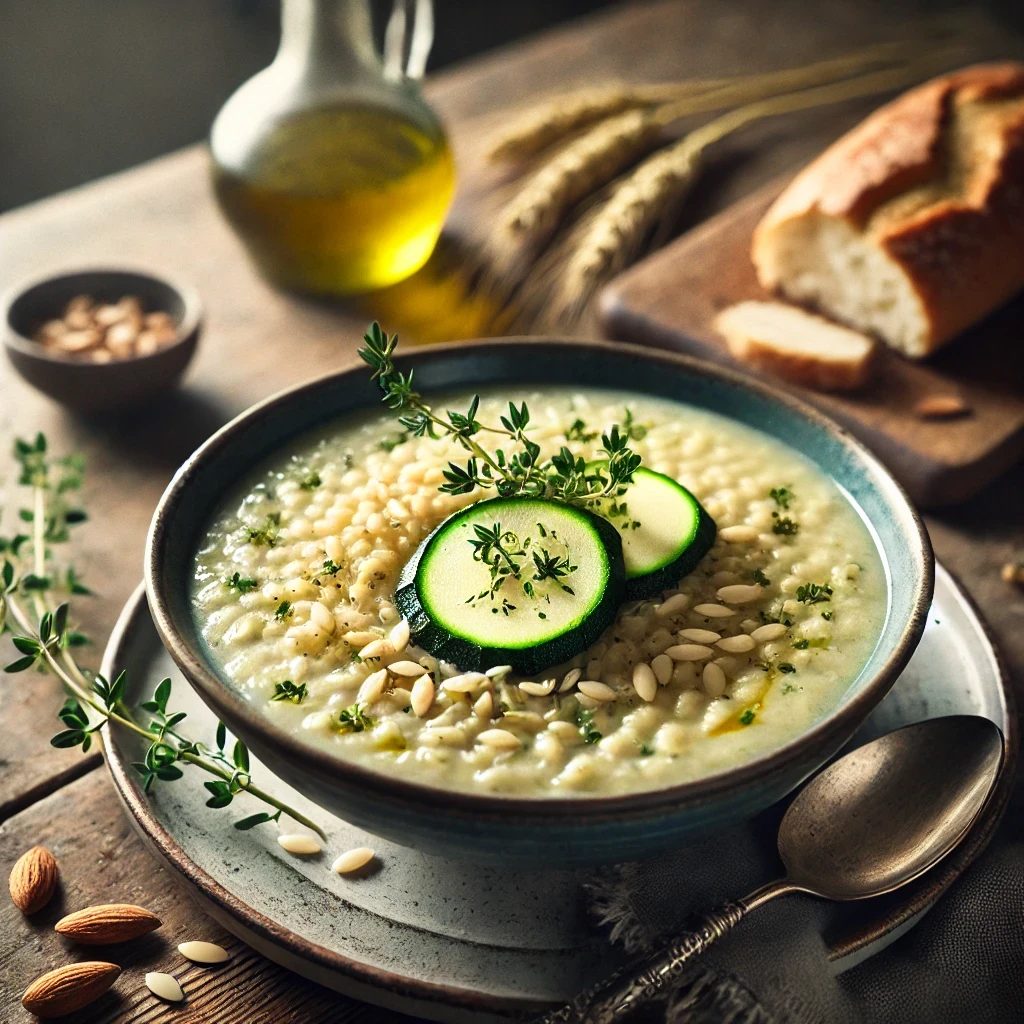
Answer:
(88, 87)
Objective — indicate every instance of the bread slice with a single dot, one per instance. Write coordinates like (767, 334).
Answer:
(910, 227)
(804, 348)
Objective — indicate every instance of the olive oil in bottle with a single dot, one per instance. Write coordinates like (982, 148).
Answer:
(340, 200)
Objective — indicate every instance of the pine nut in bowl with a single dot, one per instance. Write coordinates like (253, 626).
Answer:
(319, 585)
(101, 340)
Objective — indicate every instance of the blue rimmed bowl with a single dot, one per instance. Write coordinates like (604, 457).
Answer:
(591, 829)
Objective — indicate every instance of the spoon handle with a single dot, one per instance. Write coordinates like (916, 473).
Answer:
(635, 983)
(611, 999)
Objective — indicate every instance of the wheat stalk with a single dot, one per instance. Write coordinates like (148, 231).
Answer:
(540, 127)
(612, 236)
(585, 164)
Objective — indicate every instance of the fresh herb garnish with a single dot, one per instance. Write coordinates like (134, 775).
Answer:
(267, 534)
(44, 638)
(311, 482)
(354, 719)
(507, 558)
(827, 616)
(284, 609)
(645, 750)
(578, 432)
(813, 593)
(240, 584)
(634, 431)
(389, 444)
(289, 691)
(585, 721)
(785, 666)
(329, 568)
(747, 717)
(782, 496)
(761, 579)
(818, 643)
(520, 470)
(784, 526)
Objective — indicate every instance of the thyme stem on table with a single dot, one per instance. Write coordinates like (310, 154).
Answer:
(44, 639)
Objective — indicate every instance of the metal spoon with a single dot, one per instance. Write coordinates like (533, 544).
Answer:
(870, 822)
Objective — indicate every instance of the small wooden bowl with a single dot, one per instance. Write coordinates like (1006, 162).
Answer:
(99, 387)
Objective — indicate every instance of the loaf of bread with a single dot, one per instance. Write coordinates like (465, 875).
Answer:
(910, 227)
(792, 343)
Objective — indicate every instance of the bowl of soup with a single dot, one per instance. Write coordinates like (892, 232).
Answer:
(502, 677)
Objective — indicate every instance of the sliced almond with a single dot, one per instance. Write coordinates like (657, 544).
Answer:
(165, 986)
(107, 924)
(299, 844)
(353, 860)
(69, 988)
(941, 407)
(33, 879)
(203, 952)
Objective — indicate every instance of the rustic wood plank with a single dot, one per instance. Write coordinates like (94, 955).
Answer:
(102, 860)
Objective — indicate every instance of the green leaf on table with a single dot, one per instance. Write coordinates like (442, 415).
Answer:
(20, 665)
(252, 821)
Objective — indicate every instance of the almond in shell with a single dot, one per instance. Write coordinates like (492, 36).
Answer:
(107, 923)
(69, 988)
(33, 879)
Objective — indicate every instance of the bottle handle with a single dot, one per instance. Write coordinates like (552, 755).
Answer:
(399, 38)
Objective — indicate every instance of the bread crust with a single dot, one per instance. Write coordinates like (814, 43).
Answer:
(816, 372)
(936, 180)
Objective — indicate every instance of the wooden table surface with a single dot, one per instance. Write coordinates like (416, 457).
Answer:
(257, 341)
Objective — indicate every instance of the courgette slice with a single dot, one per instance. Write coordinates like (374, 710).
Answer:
(665, 532)
(456, 611)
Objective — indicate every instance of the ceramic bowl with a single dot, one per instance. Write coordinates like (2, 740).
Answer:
(515, 829)
(99, 387)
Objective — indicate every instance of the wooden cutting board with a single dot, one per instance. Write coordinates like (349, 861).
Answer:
(670, 300)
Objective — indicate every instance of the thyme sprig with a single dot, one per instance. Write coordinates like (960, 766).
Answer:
(30, 582)
(517, 471)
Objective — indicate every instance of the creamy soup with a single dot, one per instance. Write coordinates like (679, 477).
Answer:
(295, 579)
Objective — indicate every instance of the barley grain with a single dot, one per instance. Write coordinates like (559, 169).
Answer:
(714, 611)
(737, 644)
(499, 739)
(673, 605)
(713, 680)
(740, 593)
(699, 636)
(645, 682)
(406, 668)
(689, 652)
(422, 695)
(662, 666)
(769, 631)
(596, 691)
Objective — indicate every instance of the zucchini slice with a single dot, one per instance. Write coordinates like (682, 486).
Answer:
(665, 532)
(466, 605)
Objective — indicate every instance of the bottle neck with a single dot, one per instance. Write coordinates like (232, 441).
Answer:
(327, 33)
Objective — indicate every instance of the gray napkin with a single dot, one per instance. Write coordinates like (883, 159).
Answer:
(964, 962)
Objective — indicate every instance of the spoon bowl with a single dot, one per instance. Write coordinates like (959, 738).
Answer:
(883, 814)
(872, 821)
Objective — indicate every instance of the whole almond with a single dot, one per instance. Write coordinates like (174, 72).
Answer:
(106, 924)
(69, 988)
(33, 879)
